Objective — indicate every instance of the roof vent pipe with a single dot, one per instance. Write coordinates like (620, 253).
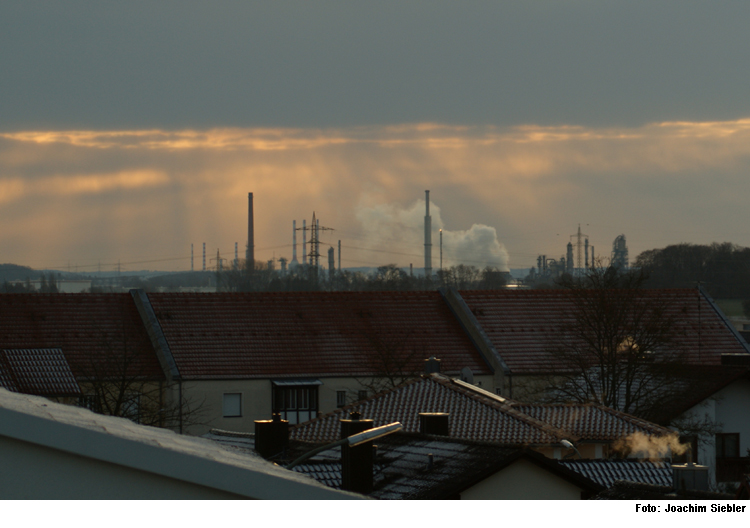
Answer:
(436, 423)
(356, 462)
(432, 365)
(271, 436)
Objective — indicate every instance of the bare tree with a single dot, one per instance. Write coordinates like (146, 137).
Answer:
(618, 346)
(392, 360)
(119, 380)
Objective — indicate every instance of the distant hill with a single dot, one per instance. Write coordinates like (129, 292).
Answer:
(13, 272)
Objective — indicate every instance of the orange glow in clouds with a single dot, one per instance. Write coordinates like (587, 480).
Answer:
(113, 194)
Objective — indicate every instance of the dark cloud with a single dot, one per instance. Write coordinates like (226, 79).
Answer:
(180, 63)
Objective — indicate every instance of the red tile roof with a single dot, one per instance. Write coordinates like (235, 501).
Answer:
(261, 335)
(90, 329)
(41, 372)
(522, 324)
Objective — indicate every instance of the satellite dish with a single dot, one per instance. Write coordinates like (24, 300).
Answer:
(467, 375)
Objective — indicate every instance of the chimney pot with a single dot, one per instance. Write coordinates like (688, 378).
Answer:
(436, 423)
(271, 436)
(356, 462)
(432, 365)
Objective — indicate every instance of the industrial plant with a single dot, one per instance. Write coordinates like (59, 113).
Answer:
(579, 259)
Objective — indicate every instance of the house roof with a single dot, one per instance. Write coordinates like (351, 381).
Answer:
(606, 472)
(699, 383)
(591, 422)
(473, 416)
(478, 415)
(160, 452)
(291, 334)
(627, 490)
(43, 372)
(410, 466)
(522, 325)
(90, 329)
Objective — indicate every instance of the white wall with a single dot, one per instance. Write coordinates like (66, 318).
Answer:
(256, 400)
(729, 409)
(523, 480)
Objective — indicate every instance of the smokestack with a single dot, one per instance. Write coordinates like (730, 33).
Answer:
(427, 237)
(586, 246)
(250, 256)
(204, 256)
(191, 257)
(304, 241)
(331, 263)
(236, 255)
(592, 257)
(294, 244)
(317, 239)
(339, 255)
(569, 258)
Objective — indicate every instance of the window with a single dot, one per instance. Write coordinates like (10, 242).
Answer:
(728, 445)
(232, 405)
(729, 466)
(340, 398)
(296, 401)
(362, 395)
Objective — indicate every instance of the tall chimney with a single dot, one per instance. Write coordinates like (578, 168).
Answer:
(586, 245)
(204, 256)
(427, 237)
(294, 244)
(331, 263)
(191, 257)
(250, 256)
(339, 255)
(304, 241)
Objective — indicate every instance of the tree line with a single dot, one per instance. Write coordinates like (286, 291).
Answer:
(723, 270)
(384, 278)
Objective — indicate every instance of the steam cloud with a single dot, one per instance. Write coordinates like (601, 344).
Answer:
(650, 447)
(401, 231)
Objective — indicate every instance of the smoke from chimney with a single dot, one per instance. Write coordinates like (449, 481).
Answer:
(390, 227)
(650, 447)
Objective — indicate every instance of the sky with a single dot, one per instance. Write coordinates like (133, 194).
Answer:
(131, 130)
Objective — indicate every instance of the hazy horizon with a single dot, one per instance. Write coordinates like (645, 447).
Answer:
(129, 131)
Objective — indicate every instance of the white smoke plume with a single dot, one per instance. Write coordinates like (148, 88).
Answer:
(400, 232)
(650, 447)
